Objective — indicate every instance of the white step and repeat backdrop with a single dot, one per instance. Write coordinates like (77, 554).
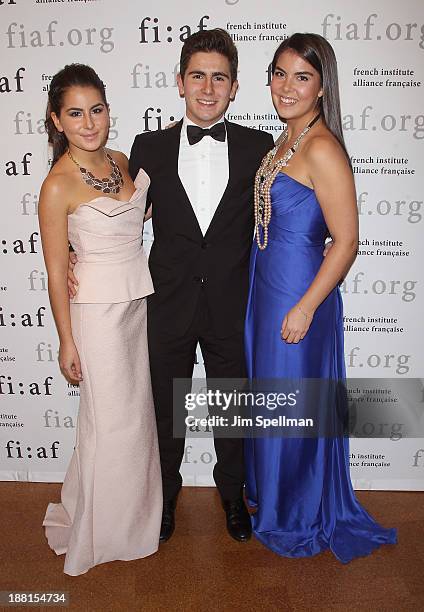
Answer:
(135, 48)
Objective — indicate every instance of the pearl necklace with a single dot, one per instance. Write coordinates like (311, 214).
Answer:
(264, 179)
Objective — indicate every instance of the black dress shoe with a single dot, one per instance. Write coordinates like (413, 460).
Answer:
(168, 520)
(238, 520)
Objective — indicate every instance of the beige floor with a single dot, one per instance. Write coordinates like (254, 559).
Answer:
(202, 569)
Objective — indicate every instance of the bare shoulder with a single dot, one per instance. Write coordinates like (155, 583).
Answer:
(120, 158)
(55, 190)
(327, 162)
(326, 159)
(324, 148)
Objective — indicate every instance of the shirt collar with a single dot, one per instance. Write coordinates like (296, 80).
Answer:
(187, 121)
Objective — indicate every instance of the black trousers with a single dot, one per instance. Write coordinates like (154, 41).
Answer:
(174, 357)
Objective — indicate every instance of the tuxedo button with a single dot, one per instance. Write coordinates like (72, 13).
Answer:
(205, 244)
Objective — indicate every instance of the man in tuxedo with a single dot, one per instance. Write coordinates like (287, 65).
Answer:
(202, 173)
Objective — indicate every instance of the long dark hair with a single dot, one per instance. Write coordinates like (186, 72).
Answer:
(70, 76)
(320, 54)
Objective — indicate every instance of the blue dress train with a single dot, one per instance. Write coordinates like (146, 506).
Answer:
(300, 486)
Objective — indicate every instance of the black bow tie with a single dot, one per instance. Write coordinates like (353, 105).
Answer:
(195, 133)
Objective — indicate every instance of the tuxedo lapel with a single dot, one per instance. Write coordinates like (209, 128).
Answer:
(176, 187)
(235, 168)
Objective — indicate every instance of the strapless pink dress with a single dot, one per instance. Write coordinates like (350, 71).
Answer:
(111, 500)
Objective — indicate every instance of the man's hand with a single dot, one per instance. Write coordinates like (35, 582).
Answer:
(72, 281)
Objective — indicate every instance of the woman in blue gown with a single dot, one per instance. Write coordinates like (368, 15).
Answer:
(304, 191)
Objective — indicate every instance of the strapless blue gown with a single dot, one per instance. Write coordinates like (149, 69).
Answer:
(300, 486)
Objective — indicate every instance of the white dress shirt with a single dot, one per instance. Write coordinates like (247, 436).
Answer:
(203, 171)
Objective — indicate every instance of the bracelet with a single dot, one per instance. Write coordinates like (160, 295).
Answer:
(303, 312)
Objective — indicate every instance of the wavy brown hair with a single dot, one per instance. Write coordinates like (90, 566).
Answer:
(70, 76)
(318, 52)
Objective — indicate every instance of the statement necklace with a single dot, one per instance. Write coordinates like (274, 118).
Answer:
(264, 179)
(111, 184)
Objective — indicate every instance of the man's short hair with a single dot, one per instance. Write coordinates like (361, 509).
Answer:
(207, 41)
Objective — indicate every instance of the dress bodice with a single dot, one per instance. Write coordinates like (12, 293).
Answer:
(296, 214)
(297, 233)
(106, 235)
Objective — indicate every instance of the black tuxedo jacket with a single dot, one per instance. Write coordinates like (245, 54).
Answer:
(183, 261)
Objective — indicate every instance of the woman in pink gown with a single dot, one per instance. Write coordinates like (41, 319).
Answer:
(111, 501)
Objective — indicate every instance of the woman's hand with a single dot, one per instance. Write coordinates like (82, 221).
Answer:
(296, 324)
(69, 362)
